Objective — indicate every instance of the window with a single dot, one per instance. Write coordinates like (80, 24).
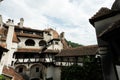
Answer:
(20, 70)
(49, 79)
(29, 42)
(17, 31)
(12, 63)
(42, 43)
(56, 43)
(39, 33)
(37, 69)
(28, 32)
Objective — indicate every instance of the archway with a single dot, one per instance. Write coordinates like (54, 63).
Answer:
(37, 71)
(21, 69)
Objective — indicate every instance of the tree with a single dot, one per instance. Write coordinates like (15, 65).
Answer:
(91, 70)
(2, 77)
(73, 44)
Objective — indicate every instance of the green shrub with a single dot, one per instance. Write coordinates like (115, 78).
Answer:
(89, 71)
(2, 77)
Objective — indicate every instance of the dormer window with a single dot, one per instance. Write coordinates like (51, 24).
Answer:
(30, 42)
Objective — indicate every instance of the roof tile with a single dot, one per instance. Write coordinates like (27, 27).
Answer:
(10, 71)
(80, 51)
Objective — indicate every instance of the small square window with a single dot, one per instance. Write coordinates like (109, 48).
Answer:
(37, 69)
(20, 70)
(56, 43)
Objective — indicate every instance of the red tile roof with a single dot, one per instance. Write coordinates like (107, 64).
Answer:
(35, 50)
(55, 33)
(11, 72)
(3, 45)
(3, 33)
(80, 51)
(51, 51)
(15, 39)
(65, 44)
(29, 35)
(2, 48)
(28, 29)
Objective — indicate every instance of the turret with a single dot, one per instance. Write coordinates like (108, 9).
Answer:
(21, 22)
(62, 35)
(9, 55)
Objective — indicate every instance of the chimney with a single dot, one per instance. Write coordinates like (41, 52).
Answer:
(62, 35)
(1, 22)
(21, 22)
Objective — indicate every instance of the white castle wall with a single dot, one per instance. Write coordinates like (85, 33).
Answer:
(22, 43)
(53, 72)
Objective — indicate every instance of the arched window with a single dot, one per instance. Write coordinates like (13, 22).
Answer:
(42, 43)
(21, 69)
(29, 42)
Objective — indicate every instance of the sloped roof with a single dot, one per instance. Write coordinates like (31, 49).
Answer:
(55, 33)
(28, 29)
(30, 50)
(2, 48)
(3, 45)
(51, 51)
(65, 44)
(3, 33)
(15, 39)
(29, 35)
(112, 27)
(80, 51)
(102, 14)
(35, 50)
(11, 72)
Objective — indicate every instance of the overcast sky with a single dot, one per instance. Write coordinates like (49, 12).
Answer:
(69, 16)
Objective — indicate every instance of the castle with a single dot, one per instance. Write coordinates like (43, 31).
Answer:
(37, 54)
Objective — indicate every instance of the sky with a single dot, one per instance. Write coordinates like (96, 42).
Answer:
(69, 16)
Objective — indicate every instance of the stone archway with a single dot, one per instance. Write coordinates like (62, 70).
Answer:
(37, 72)
(22, 69)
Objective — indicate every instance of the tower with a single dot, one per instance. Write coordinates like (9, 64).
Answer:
(9, 43)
